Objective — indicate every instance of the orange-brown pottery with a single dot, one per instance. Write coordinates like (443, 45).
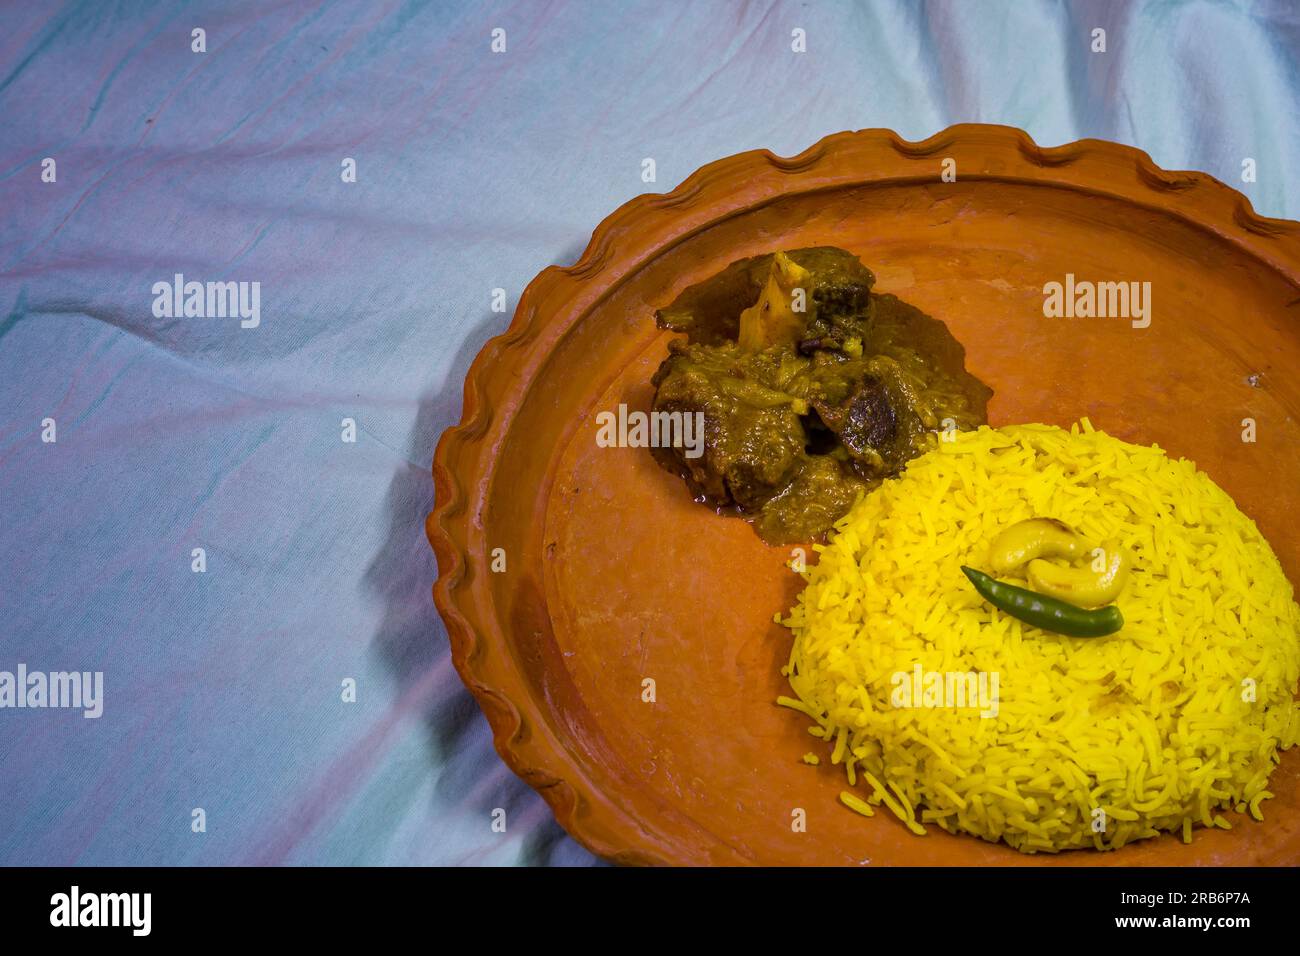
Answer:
(613, 575)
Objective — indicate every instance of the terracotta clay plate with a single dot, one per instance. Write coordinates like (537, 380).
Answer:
(612, 575)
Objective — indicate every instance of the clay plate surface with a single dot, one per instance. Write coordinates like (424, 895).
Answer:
(613, 575)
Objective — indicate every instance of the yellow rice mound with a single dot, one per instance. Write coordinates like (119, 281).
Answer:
(1178, 716)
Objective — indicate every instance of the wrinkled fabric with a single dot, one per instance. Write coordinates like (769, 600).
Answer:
(224, 689)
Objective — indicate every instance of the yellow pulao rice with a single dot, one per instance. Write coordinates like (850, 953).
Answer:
(1154, 726)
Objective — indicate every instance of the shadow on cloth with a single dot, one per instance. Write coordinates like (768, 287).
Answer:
(413, 641)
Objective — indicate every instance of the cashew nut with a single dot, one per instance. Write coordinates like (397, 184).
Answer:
(1084, 586)
(1035, 538)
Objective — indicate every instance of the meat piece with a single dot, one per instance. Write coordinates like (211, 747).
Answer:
(818, 495)
(841, 284)
(869, 417)
(810, 387)
(753, 440)
(866, 421)
(709, 311)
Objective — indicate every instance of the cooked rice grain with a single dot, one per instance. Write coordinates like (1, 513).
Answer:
(1154, 726)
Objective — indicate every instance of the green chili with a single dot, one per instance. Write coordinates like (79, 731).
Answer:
(1045, 612)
